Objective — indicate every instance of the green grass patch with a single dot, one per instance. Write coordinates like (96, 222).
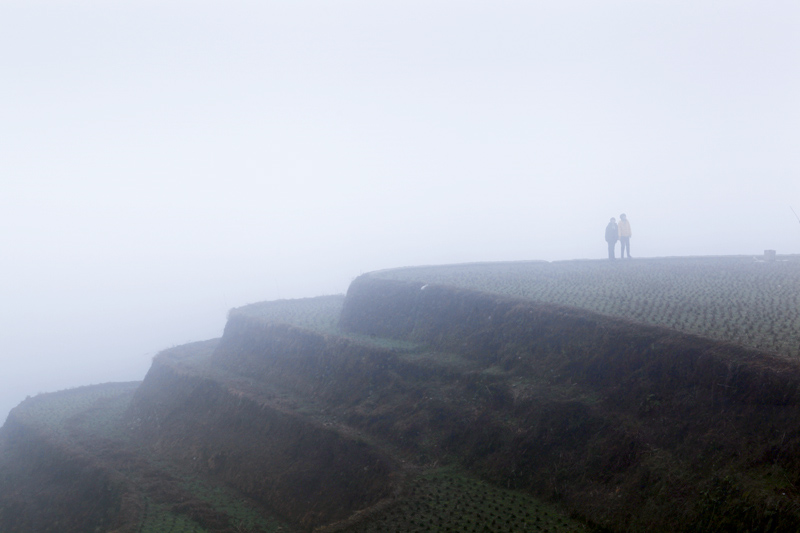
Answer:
(738, 299)
(159, 519)
(448, 500)
(241, 514)
(55, 412)
(319, 314)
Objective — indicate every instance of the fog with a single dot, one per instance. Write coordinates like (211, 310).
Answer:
(162, 162)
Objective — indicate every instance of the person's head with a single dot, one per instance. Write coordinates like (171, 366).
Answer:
(613, 220)
(622, 216)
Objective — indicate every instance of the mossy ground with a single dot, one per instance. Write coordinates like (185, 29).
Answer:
(450, 500)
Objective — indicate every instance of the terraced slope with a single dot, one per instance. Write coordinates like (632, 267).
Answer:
(207, 443)
(635, 427)
(417, 403)
(742, 300)
(69, 462)
(374, 403)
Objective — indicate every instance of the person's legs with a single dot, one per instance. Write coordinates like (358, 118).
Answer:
(624, 244)
(611, 246)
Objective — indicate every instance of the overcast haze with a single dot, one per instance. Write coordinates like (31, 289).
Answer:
(162, 162)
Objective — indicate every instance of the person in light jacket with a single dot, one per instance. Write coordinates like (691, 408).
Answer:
(624, 228)
(612, 234)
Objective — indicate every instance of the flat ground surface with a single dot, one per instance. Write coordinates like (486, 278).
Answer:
(744, 300)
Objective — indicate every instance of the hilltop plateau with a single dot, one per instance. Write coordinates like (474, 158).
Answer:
(654, 394)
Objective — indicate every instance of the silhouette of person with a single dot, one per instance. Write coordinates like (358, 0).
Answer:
(624, 228)
(612, 234)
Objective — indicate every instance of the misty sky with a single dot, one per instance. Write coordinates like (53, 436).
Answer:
(164, 161)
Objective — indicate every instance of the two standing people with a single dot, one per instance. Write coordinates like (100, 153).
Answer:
(619, 232)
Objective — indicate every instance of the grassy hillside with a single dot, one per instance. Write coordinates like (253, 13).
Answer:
(637, 427)
(70, 463)
(487, 397)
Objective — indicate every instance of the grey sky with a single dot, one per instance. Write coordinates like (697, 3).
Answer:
(161, 162)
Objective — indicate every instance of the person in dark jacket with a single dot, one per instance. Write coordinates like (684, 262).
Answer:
(612, 235)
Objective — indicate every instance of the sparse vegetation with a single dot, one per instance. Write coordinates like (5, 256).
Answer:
(89, 421)
(159, 519)
(736, 299)
(473, 404)
(213, 506)
(319, 314)
(56, 413)
(451, 500)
